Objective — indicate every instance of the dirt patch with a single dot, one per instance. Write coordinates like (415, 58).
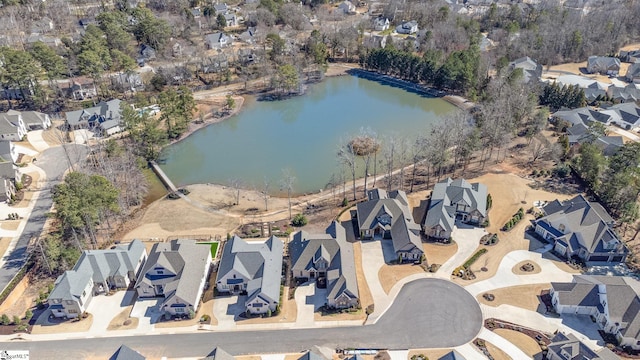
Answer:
(339, 69)
(522, 341)
(122, 321)
(251, 357)
(389, 275)
(4, 245)
(496, 353)
(523, 296)
(46, 325)
(53, 136)
(23, 297)
(526, 268)
(10, 224)
(429, 353)
(437, 253)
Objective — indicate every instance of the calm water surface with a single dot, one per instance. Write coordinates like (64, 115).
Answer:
(301, 134)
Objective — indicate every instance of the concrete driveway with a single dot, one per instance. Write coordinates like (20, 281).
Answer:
(227, 308)
(147, 312)
(468, 240)
(308, 300)
(104, 308)
(372, 262)
(36, 140)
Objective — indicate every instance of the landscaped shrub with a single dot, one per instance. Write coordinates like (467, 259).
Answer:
(474, 258)
(16, 320)
(28, 315)
(4, 319)
(345, 202)
(192, 314)
(489, 201)
(514, 220)
(299, 220)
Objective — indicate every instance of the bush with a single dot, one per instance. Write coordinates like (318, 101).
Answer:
(269, 313)
(167, 315)
(28, 314)
(16, 320)
(534, 173)
(299, 220)
(19, 186)
(345, 202)
(489, 201)
(192, 314)
(4, 319)
(474, 258)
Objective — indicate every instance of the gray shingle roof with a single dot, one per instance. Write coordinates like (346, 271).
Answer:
(104, 264)
(187, 260)
(260, 262)
(104, 111)
(306, 248)
(449, 192)
(33, 118)
(8, 170)
(8, 124)
(70, 285)
(570, 345)
(219, 354)
(602, 63)
(530, 69)
(588, 224)
(395, 205)
(126, 353)
(452, 355)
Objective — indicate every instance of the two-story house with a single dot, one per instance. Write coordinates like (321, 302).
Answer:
(578, 227)
(329, 259)
(12, 126)
(451, 201)
(407, 28)
(254, 269)
(387, 216)
(104, 117)
(613, 301)
(176, 271)
(96, 272)
(567, 346)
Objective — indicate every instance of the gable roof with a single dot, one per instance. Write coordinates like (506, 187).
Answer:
(570, 345)
(452, 355)
(259, 262)
(395, 205)
(186, 259)
(219, 354)
(103, 264)
(530, 69)
(588, 224)
(126, 353)
(70, 285)
(600, 63)
(8, 123)
(449, 192)
(104, 111)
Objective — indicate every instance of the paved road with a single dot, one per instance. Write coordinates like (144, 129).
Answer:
(428, 313)
(54, 162)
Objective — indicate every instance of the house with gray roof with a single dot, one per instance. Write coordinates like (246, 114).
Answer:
(217, 40)
(386, 216)
(219, 354)
(254, 269)
(604, 65)
(31, 120)
(380, 23)
(531, 70)
(583, 115)
(630, 56)
(624, 94)
(12, 126)
(451, 201)
(104, 117)
(452, 355)
(126, 353)
(568, 346)
(177, 271)
(633, 73)
(328, 258)
(581, 228)
(407, 27)
(96, 272)
(613, 301)
(580, 134)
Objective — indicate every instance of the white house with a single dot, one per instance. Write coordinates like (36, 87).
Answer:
(381, 24)
(408, 27)
(12, 126)
(613, 301)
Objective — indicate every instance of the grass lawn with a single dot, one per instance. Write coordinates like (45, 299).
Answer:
(214, 247)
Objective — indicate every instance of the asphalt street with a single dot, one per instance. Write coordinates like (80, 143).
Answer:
(55, 162)
(428, 313)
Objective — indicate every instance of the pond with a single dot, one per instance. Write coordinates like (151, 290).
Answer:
(300, 134)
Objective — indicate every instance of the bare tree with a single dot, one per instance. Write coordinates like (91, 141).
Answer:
(417, 155)
(264, 192)
(389, 149)
(366, 146)
(236, 185)
(286, 183)
(347, 157)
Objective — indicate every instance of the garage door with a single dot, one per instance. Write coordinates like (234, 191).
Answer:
(599, 258)
(583, 310)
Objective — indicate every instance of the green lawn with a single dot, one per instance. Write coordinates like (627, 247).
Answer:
(214, 247)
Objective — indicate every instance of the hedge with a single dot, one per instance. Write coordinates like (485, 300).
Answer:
(474, 258)
(516, 218)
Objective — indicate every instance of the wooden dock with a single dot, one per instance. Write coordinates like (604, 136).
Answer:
(163, 177)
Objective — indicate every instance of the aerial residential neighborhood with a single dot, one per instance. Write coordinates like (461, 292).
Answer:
(320, 180)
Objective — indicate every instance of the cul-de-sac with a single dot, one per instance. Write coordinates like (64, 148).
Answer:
(320, 179)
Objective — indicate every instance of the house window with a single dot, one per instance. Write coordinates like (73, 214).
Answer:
(179, 310)
(160, 272)
(72, 311)
(69, 302)
(256, 305)
(561, 228)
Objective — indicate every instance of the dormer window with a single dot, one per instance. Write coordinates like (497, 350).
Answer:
(384, 219)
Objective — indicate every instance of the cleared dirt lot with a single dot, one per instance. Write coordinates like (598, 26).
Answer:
(496, 352)
(439, 253)
(525, 296)
(389, 275)
(522, 341)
